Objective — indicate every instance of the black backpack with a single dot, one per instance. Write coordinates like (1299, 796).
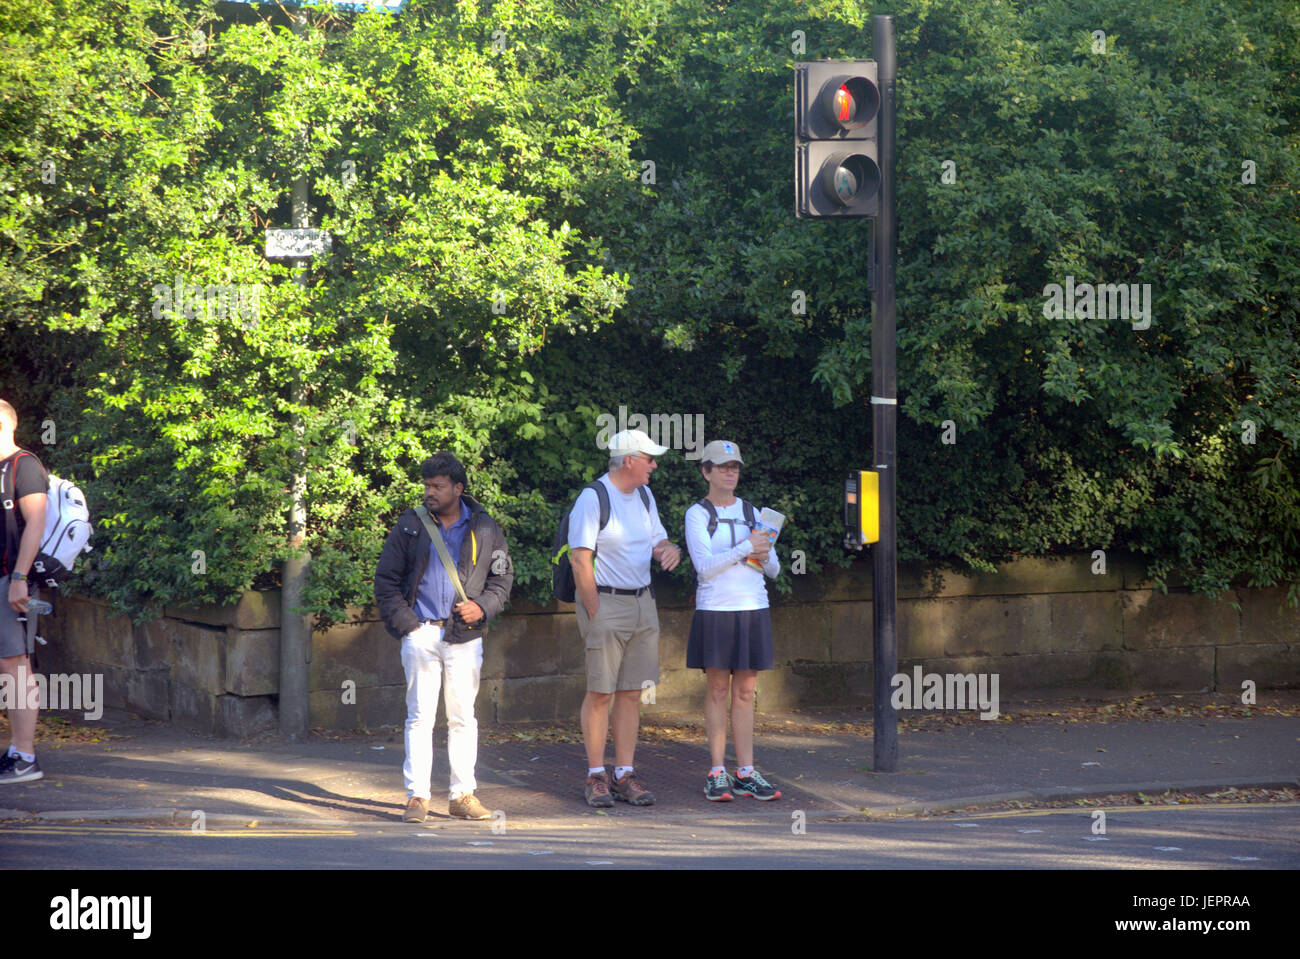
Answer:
(562, 584)
(713, 516)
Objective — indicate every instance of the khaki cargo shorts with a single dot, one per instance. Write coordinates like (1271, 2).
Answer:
(622, 642)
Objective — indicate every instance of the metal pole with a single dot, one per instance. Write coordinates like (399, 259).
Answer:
(884, 410)
(295, 630)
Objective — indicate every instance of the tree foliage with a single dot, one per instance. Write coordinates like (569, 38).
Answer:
(500, 181)
(1100, 141)
(442, 165)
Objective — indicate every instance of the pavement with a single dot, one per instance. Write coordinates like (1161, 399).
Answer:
(1038, 752)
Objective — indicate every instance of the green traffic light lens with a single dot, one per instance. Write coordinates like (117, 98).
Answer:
(845, 184)
(847, 176)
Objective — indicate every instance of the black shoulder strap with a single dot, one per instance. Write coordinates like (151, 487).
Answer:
(602, 497)
(7, 489)
(602, 494)
(10, 469)
(749, 512)
(713, 515)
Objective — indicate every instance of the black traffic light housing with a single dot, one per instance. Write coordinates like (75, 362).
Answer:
(836, 155)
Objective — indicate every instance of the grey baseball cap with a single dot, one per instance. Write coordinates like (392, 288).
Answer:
(721, 451)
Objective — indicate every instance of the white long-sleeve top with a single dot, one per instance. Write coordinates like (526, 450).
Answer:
(725, 581)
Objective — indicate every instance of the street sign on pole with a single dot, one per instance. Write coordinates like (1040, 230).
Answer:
(299, 244)
(296, 244)
(352, 6)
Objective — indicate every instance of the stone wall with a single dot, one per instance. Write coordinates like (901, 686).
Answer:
(1041, 625)
(214, 669)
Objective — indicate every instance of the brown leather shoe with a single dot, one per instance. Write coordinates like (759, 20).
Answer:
(598, 790)
(629, 790)
(417, 810)
(467, 807)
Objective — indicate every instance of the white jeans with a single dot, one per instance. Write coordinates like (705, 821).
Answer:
(426, 659)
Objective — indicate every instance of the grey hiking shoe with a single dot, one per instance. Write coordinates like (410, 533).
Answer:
(629, 790)
(598, 790)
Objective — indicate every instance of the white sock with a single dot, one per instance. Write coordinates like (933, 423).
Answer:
(717, 770)
(621, 771)
(11, 751)
(25, 757)
(595, 770)
(744, 771)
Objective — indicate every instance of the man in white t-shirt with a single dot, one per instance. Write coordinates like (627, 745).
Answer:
(616, 609)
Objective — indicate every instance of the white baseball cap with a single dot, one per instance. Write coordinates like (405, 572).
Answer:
(634, 441)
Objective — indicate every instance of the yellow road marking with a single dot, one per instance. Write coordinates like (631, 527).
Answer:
(1008, 813)
(52, 830)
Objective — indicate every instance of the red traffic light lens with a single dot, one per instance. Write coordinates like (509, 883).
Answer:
(852, 102)
(845, 106)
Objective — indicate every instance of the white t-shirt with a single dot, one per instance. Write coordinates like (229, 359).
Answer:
(624, 546)
(726, 581)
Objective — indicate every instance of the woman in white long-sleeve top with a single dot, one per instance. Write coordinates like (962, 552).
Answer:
(731, 633)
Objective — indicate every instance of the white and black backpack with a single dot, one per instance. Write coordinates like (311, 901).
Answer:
(67, 525)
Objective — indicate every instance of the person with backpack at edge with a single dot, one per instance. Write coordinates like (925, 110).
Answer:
(439, 618)
(25, 483)
(617, 617)
(731, 632)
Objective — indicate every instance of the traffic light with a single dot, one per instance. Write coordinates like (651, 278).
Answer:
(836, 157)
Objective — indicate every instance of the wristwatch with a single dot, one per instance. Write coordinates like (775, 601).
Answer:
(18, 576)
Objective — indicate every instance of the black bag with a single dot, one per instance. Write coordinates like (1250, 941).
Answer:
(563, 586)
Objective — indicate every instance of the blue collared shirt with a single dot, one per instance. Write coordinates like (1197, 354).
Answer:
(436, 595)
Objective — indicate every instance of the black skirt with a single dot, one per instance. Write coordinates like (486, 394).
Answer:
(739, 639)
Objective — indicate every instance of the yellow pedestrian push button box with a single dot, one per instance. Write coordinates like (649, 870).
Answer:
(861, 508)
